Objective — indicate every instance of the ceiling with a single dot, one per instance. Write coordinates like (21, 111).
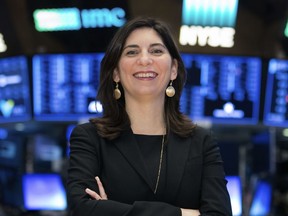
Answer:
(259, 31)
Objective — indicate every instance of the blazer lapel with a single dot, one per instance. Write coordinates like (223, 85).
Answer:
(177, 154)
(128, 147)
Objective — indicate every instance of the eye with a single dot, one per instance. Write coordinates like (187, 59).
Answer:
(131, 52)
(157, 51)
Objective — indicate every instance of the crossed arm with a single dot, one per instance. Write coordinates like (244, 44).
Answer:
(103, 196)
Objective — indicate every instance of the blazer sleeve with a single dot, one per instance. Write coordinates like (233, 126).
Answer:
(215, 199)
(84, 165)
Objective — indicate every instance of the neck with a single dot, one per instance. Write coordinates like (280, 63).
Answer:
(146, 117)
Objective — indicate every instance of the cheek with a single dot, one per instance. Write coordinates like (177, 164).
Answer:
(125, 67)
(166, 67)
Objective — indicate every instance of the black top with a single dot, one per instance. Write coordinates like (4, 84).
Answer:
(150, 147)
(194, 175)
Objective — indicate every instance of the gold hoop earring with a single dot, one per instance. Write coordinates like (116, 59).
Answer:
(170, 90)
(117, 92)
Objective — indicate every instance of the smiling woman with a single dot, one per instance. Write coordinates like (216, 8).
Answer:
(143, 156)
(145, 67)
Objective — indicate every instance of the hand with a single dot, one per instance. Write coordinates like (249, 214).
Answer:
(102, 195)
(190, 212)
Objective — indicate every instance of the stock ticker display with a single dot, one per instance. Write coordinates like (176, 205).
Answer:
(276, 101)
(65, 86)
(222, 89)
(15, 102)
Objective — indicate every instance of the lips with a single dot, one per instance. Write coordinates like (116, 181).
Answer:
(145, 75)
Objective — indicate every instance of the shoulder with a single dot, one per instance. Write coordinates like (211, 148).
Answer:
(207, 139)
(203, 137)
(198, 137)
(86, 126)
(201, 130)
(202, 133)
(85, 129)
(198, 132)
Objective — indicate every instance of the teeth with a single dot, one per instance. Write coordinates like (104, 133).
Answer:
(145, 75)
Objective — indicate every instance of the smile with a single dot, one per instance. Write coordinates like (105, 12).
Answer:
(145, 75)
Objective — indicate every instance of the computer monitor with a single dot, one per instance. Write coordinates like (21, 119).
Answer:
(234, 188)
(12, 152)
(15, 101)
(12, 165)
(46, 153)
(276, 97)
(261, 203)
(222, 89)
(44, 192)
(65, 86)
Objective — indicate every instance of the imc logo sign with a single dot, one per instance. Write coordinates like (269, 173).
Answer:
(65, 19)
(208, 22)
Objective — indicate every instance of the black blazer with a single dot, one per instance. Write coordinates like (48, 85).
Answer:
(195, 176)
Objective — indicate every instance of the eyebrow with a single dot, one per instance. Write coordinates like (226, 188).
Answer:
(151, 45)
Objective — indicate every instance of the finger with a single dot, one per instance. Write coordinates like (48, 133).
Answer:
(101, 188)
(93, 194)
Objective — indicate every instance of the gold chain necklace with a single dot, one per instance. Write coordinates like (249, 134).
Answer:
(160, 164)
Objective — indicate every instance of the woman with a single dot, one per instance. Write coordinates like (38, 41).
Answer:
(148, 158)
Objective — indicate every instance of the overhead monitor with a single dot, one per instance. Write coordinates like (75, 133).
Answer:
(15, 102)
(65, 86)
(276, 97)
(208, 22)
(76, 26)
(222, 89)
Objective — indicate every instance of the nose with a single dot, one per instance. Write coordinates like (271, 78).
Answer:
(144, 59)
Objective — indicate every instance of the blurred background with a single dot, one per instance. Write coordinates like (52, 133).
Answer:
(235, 52)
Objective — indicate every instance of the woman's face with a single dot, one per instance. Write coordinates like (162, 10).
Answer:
(145, 66)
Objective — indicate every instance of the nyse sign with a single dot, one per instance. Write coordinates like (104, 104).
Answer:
(208, 23)
(212, 36)
(3, 46)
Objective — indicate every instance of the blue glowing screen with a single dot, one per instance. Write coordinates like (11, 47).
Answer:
(15, 102)
(65, 86)
(261, 202)
(276, 97)
(222, 89)
(43, 192)
(234, 188)
(221, 13)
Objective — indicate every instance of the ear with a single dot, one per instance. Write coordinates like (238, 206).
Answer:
(116, 76)
(174, 69)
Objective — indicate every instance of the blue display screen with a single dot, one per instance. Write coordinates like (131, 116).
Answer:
(15, 102)
(44, 192)
(222, 89)
(65, 86)
(276, 97)
(261, 203)
(234, 187)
